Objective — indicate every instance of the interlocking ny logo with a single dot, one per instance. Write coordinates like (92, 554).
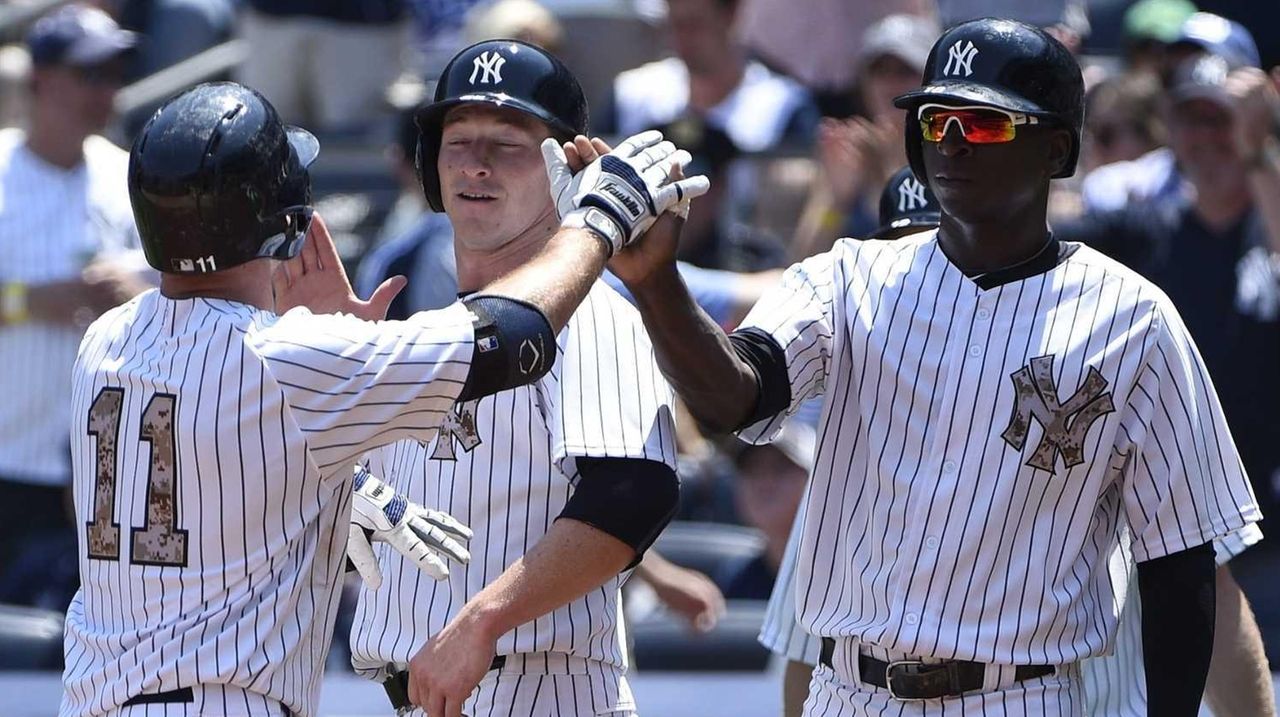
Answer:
(459, 425)
(960, 58)
(1065, 424)
(488, 65)
(911, 195)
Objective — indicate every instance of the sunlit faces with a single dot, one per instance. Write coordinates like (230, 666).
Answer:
(492, 178)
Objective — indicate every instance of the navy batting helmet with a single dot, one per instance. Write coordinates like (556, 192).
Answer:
(906, 205)
(503, 73)
(217, 180)
(1005, 64)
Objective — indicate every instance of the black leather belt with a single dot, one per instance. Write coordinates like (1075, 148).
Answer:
(914, 680)
(180, 696)
(397, 685)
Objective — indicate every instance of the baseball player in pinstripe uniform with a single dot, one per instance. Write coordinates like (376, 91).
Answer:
(214, 439)
(1238, 684)
(1003, 411)
(565, 481)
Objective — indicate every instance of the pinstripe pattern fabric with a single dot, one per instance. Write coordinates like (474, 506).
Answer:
(587, 688)
(268, 415)
(780, 632)
(223, 700)
(508, 471)
(1115, 685)
(930, 530)
(53, 221)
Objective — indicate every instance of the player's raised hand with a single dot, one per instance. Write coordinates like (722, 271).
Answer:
(316, 279)
(379, 514)
(620, 194)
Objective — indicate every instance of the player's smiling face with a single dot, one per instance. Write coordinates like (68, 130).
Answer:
(492, 178)
(985, 182)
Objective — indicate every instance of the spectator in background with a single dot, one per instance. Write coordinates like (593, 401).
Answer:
(710, 94)
(66, 232)
(174, 30)
(1066, 20)
(1155, 175)
(517, 19)
(770, 485)
(15, 77)
(1210, 238)
(710, 78)
(323, 63)
(855, 156)
(1122, 120)
(818, 41)
(1149, 26)
(1204, 32)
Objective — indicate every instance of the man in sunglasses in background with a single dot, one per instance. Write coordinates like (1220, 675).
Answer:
(66, 237)
(1003, 412)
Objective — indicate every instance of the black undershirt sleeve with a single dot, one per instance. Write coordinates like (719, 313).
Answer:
(1178, 604)
(766, 358)
(631, 499)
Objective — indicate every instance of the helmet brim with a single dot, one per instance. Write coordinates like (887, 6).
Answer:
(970, 93)
(305, 145)
(431, 117)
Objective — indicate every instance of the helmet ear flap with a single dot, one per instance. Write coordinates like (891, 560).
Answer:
(424, 163)
(913, 141)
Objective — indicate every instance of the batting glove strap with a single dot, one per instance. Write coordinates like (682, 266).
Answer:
(603, 225)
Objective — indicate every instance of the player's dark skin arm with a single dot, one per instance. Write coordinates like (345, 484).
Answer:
(1178, 605)
(720, 389)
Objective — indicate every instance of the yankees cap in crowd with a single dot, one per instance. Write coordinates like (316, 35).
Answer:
(1219, 36)
(78, 35)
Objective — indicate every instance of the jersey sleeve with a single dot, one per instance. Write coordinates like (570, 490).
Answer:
(1185, 485)
(1237, 541)
(605, 396)
(799, 315)
(354, 385)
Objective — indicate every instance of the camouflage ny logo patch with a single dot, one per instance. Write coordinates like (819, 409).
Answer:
(1065, 424)
(460, 426)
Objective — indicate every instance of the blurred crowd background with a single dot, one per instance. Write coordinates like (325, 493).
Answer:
(785, 104)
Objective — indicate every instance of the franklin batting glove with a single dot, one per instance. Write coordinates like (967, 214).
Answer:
(621, 194)
(379, 514)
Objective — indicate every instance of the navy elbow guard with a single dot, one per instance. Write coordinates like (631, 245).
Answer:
(514, 345)
(631, 499)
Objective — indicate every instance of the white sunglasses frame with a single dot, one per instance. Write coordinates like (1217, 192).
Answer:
(1016, 118)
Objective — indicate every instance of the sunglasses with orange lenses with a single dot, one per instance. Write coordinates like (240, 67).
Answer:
(978, 124)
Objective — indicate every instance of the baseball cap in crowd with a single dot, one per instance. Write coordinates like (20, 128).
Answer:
(1202, 78)
(906, 37)
(1159, 20)
(77, 35)
(1219, 36)
(906, 206)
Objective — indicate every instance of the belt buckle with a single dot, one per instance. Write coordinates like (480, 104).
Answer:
(890, 673)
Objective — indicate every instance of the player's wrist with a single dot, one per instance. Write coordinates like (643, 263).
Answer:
(599, 224)
(485, 618)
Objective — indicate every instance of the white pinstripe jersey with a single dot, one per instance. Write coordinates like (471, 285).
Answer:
(212, 453)
(982, 451)
(780, 633)
(53, 221)
(1115, 685)
(504, 466)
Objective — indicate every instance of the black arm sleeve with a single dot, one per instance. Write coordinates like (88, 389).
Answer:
(1178, 602)
(514, 345)
(631, 499)
(766, 358)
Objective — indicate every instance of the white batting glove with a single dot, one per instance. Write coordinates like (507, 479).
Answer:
(622, 193)
(379, 514)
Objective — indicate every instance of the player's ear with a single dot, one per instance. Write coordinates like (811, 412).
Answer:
(1061, 142)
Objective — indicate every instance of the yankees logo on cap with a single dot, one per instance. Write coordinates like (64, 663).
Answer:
(911, 195)
(488, 66)
(960, 58)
